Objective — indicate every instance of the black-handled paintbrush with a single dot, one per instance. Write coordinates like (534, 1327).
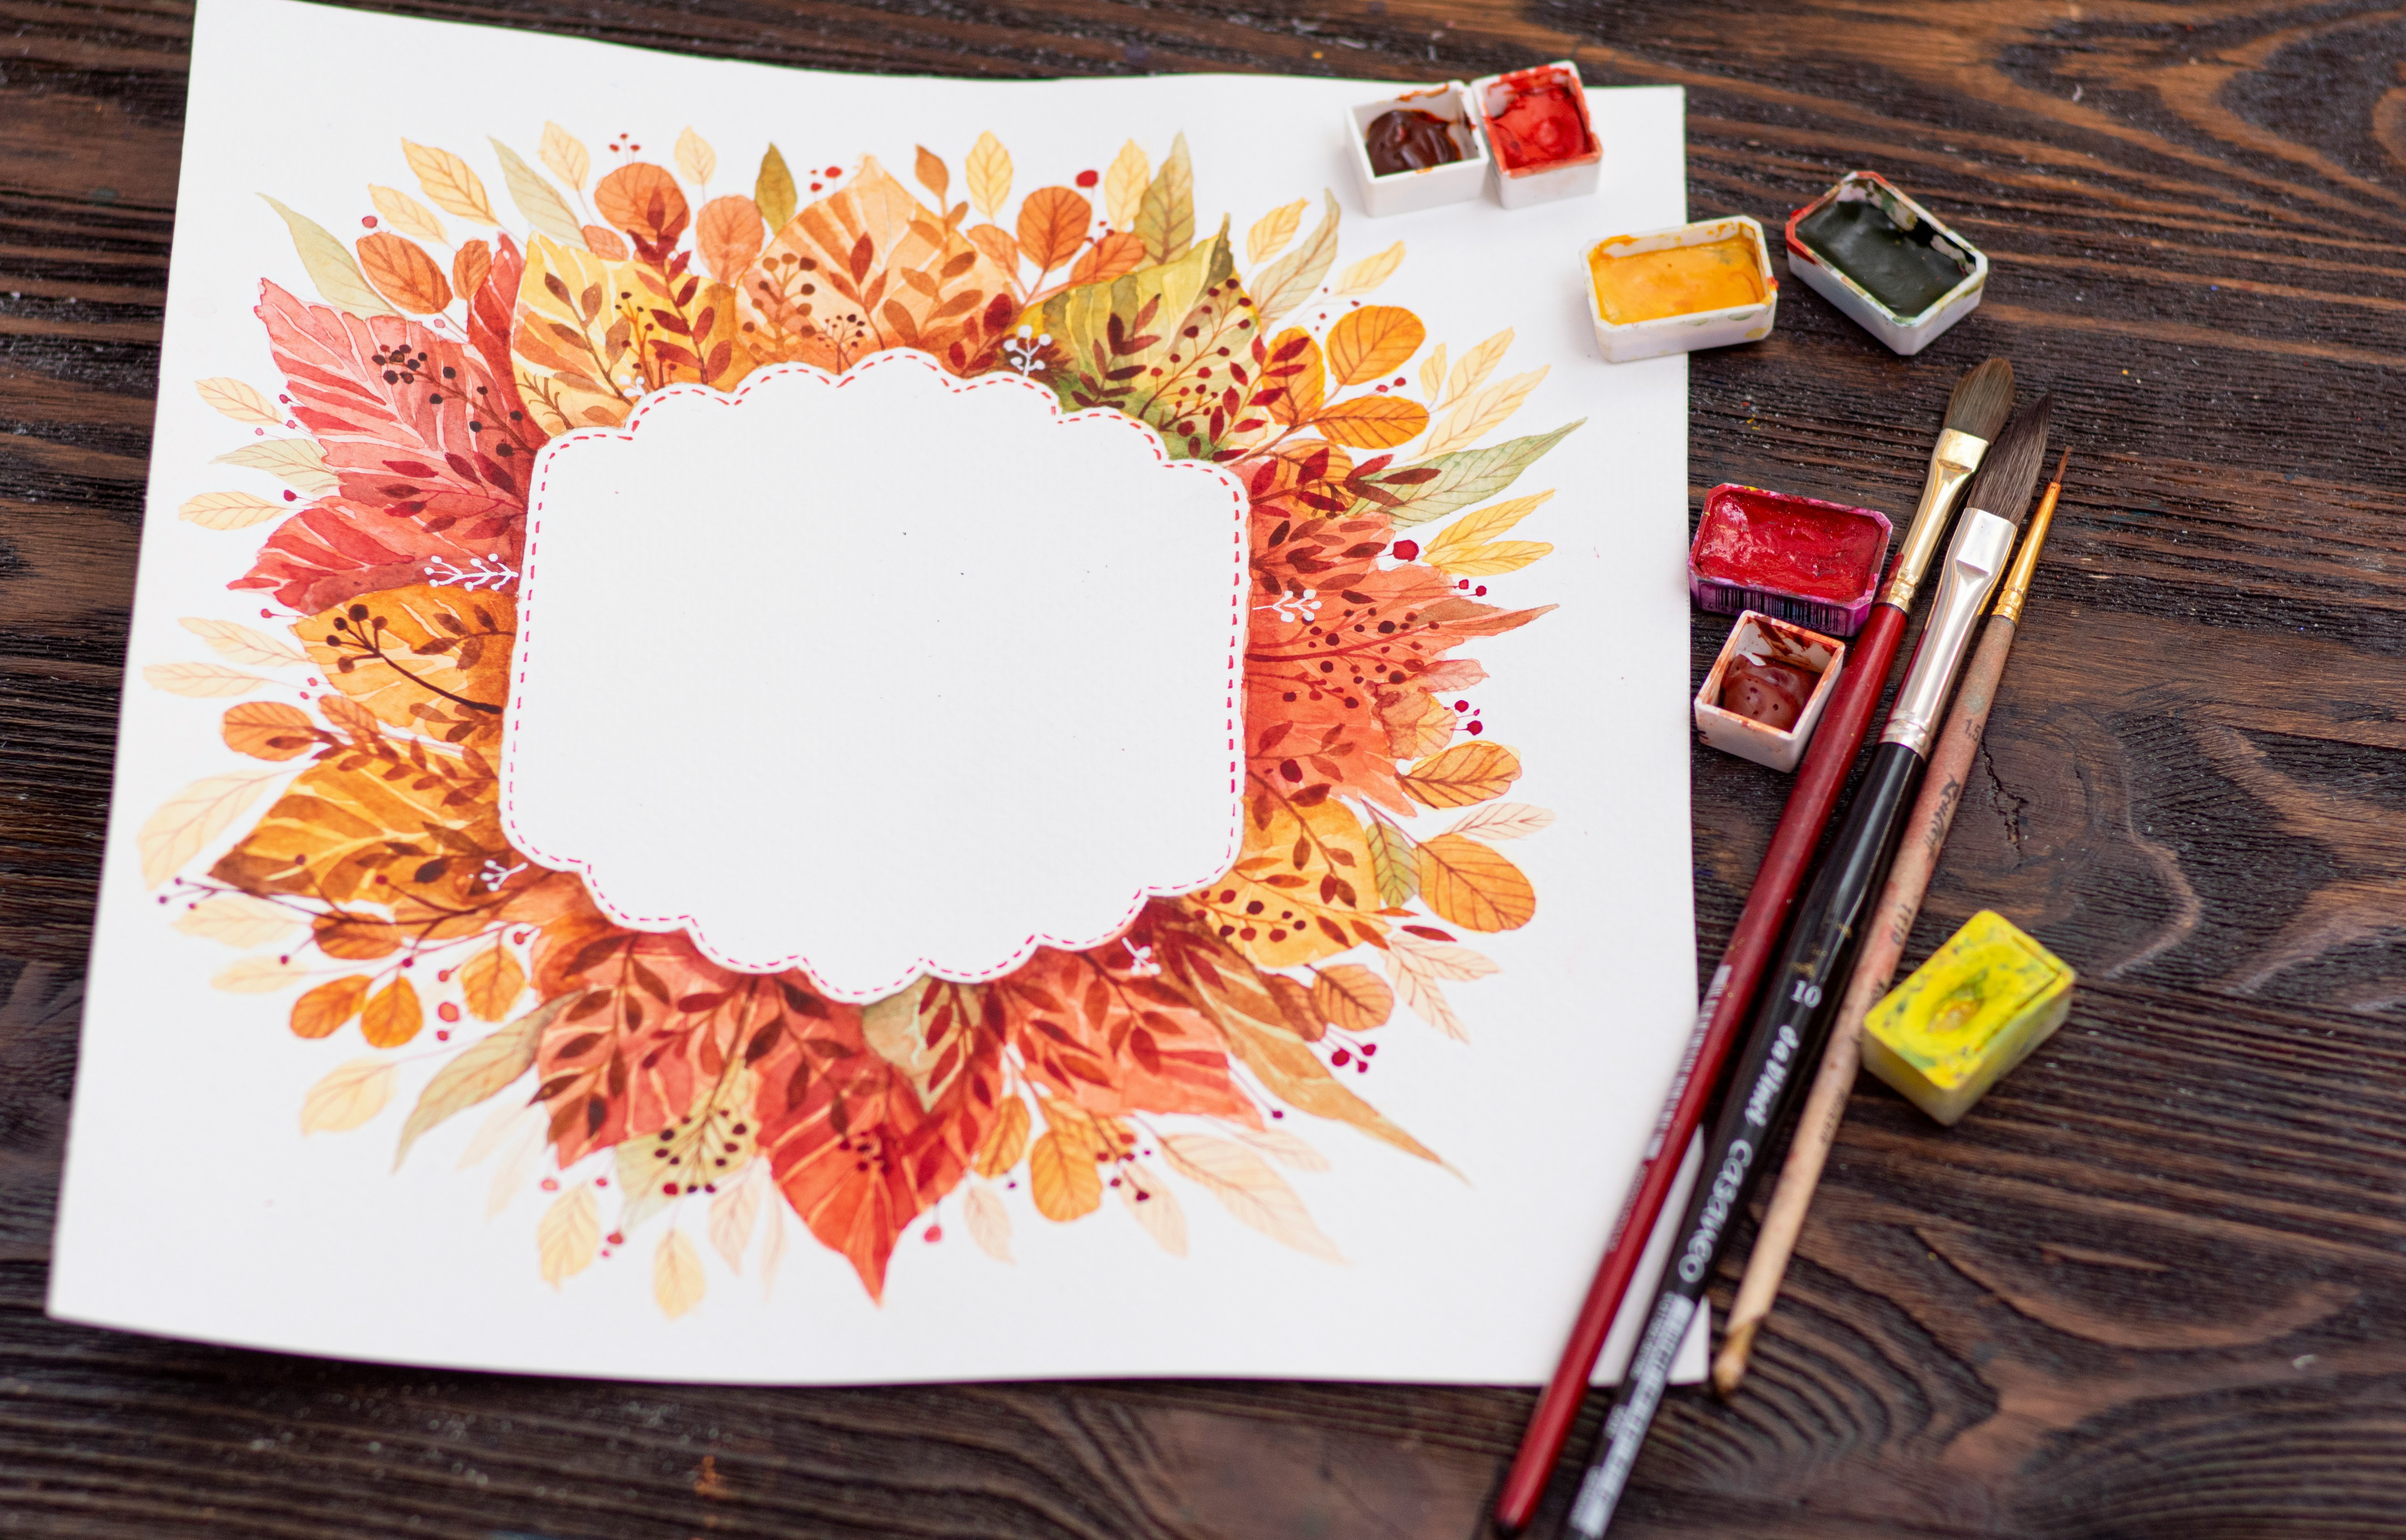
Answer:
(1801, 990)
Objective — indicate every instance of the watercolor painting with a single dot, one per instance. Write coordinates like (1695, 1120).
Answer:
(663, 1103)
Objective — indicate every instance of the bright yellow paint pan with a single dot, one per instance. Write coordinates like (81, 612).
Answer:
(1967, 1016)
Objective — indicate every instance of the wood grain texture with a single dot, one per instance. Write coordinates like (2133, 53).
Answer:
(2148, 1290)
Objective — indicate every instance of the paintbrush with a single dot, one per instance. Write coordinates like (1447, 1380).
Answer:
(1883, 947)
(1795, 1012)
(1975, 413)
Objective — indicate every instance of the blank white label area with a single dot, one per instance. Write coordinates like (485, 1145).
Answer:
(878, 675)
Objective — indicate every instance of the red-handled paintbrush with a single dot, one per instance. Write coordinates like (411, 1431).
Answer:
(1975, 413)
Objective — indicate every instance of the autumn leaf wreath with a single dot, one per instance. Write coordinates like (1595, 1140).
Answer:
(630, 1073)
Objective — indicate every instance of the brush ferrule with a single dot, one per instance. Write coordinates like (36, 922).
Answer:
(2017, 582)
(1982, 543)
(1952, 464)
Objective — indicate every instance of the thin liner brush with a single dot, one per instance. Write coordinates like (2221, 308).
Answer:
(1934, 812)
(1794, 1015)
(1975, 413)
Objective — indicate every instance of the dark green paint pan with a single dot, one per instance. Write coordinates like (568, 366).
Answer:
(1885, 260)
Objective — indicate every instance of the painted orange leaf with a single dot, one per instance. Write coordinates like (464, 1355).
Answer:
(999, 246)
(1372, 422)
(1007, 1142)
(729, 235)
(1463, 774)
(403, 273)
(469, 266)
(1351, 996)
(1294, 376)
(1117, 254)
(323, 1010)
(1063, 1179)
(392, 1016)
(491, 982)
(266, 730)
(643, 200)
(1053, 223)
(605, 243)
(1375, 341)
(1474, 885)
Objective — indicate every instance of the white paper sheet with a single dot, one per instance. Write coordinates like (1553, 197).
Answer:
(196, 1205)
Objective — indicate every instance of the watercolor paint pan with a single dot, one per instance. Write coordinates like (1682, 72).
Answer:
(1890, 264)
(1412, 191)
(1714, 324)
(1556, 153)
(1795, 559)
(1762, 638)
(1964, 1020)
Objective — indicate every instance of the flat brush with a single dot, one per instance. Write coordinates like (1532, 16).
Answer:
(1795, 1012)
(1883, 947)
(1975, 412)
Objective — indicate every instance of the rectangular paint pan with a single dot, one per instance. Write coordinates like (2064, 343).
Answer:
(1568, 171)
(1686, 331)
(1758, 636)
(1885, 260)
(1425, 187)
(1795, 559)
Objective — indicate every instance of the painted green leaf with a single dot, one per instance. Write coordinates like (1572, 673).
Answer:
(773, 191)
(542, 207)
(484, 1071)
(330, 266)
(1391, 862)
(1165, 220)
(1114, 333)
(1463, 478)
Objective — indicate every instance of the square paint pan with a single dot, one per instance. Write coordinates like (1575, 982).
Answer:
(1571, 174)
(1410, 191)
(1886, 262)
(1759, 637)
(1795, 559)
(1623, 342)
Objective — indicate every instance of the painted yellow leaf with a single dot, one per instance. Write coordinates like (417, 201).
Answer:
(1493, 559)
(1123, 185)
(1372, 422)
(1309, 869)
(406, 213)
(733, 1214)
(1463, 774)
(230, 510)
(347, 1097)
(423, 654)
(773, 191)
(243, 645)
(240, 401)
(480, 1072)
(1246, 1186)
(988, 1219)
(989, 177)
(1372, 342)
(1481, 412)
(1273, 230)
(1284, 1148)
(568, 1236)
(328, 265)
(572, 347)
(1288, 282)
(1417, 988)
(565, 153)
(1349, 996)
(537, 199)
(491, 982)
(1432, 371)
(392, 1016)
(447, 181)
(1006, 1142)
(200, 680)
(1370, 272)
(1504, 821)
(239, 920)
(1476, 366)
(193, 818)
(1156, 1207)
(257, 976)
(298, 461)
(1485, 524)
(696, 161)
(1062, 1179)
(1474, 885)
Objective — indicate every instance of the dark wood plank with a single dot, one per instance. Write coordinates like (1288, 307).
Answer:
(2147, 1291)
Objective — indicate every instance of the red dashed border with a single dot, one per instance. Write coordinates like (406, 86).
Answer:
(1240, 502)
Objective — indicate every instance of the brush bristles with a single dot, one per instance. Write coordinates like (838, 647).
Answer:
(2009, 473)
(1981, 400)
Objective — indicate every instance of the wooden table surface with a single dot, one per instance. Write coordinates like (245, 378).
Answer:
(2152, 1287)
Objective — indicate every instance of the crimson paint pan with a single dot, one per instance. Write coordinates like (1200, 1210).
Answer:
(1796, 559)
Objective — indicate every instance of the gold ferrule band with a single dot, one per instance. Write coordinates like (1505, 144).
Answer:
(1952, 464)
(2018, 581)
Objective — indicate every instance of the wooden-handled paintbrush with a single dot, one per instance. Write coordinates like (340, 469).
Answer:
(1883, 947)
(1796, 1009)
(1975, 413)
